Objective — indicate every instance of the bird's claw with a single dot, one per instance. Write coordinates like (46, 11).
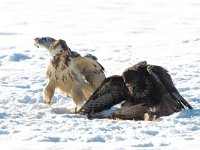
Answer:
(48, 104)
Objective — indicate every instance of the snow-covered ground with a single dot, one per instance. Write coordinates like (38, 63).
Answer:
(120, 33)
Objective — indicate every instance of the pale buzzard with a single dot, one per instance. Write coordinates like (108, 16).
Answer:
(76, 76)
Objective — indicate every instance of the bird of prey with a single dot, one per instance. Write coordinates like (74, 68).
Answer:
(146, 91)
(75, 75)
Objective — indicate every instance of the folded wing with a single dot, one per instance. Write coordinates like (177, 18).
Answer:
(170, 101)
(92, 71)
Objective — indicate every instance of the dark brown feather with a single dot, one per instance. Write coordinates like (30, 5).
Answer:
(111, 92)
(169, 99)
(153, 92)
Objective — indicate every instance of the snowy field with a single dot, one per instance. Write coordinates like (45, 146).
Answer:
(120, 33)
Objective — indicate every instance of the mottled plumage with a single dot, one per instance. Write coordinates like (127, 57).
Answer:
(144, 88)
(76, 76)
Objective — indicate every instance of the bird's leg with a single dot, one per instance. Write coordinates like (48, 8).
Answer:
(154, 118)
(75, 110)
(146, 116)
(153, 113)
(49, 92)
(48, 103)
(150, 117)
(77, 96)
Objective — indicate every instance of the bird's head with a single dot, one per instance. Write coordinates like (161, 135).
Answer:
(44, 42)
(132, 80)
(59, 47)
(135, 78)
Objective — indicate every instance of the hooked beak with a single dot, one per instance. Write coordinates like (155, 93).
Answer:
(36, 40)
(130, 88)
(36, 45)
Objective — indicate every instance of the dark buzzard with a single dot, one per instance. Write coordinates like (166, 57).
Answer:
(147, 92)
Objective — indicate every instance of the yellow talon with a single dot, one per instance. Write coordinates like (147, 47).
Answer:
(48, 104)
(154, 118)
(146, 116)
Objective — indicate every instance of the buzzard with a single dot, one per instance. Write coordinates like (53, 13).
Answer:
(75, 75)
(145, 91)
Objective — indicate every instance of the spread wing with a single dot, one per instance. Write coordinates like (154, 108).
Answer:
(91, 70)
(170, 101)
(112, 91)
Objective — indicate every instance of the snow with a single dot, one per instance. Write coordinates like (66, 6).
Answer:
(119, 33)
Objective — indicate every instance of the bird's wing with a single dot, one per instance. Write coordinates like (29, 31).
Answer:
(171, 100)
(92, 71)
(91, 56)
(112, 91)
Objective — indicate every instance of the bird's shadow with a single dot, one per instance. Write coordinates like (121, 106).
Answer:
(189, 113)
